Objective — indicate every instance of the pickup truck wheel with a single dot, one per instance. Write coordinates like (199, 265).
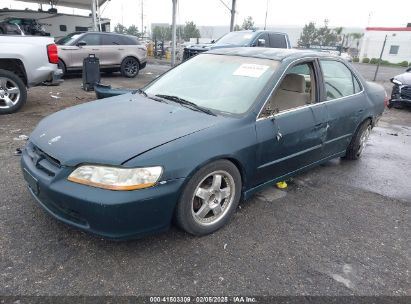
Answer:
(62, 66)
(130, 67)
(13, 92)
(359, 141)
(210, 198)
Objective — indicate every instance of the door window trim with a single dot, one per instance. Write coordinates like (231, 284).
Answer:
(320, 74)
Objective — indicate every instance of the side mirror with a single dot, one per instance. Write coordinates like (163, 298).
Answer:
(408, 70)
(213, 41)
(261, 42)
(81, 43)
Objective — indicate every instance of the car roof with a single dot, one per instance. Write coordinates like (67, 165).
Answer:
(268, 53)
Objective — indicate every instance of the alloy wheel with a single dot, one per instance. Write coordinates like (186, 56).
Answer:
(213, 197)
(9, 93)
(363, 139)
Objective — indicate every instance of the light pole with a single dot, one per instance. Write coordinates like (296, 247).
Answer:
(174, 27)
(379, 60)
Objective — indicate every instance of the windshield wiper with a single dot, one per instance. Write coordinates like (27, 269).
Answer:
(187, 103)
(139, 91)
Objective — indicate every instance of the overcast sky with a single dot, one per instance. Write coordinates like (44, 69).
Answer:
(346, 13)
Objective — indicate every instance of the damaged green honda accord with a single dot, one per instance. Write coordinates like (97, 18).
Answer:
(189, 145)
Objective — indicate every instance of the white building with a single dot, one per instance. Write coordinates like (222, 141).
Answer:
(397, 47)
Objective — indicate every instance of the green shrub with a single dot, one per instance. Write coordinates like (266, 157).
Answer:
(356, 59)
(384, 62)
(366, 60)
(403, 64)
(374, 61)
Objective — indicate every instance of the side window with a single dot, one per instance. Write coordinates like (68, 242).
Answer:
(63, 28)
(91, 39)
(112, 40)
(277, 41)
(339, 81)
(296, 89)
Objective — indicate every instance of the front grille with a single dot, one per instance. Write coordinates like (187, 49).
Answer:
(42, 160)
(406, 92)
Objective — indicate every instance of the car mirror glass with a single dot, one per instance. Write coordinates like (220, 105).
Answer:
(81, 43)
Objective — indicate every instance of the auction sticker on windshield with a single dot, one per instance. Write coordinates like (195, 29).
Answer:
(250, 70)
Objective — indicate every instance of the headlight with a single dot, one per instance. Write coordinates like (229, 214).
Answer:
(113, 178)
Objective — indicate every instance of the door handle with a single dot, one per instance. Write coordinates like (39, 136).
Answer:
(121, 49)
(95, 49)
(279, 136)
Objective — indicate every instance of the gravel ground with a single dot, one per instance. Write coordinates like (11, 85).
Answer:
(340, 229)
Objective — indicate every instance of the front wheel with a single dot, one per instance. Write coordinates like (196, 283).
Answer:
(210, 198)
(130, 67)
(359, 141)
(13, 92)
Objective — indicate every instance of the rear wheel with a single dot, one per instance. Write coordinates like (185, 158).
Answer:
(62, 67)
(130, 67)
(13, 92)
(359, 141)
(210, 198)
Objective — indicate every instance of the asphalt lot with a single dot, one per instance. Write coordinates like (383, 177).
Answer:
(340, 229)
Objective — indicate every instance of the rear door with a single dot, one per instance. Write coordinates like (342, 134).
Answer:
(345, 101)
(112, 48)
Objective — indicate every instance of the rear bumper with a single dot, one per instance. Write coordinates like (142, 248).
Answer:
(109, 214)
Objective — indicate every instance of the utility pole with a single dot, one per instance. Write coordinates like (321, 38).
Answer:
(174, 27)
(93, 14)
(232, 15)
(379, 60)
(266, 13)
(142, 18)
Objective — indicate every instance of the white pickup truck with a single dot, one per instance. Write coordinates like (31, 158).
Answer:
(25, 61)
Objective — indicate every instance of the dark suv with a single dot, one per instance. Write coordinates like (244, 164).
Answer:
(242, 38)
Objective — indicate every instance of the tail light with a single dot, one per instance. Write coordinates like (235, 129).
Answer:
(52, 53)
(386, 99)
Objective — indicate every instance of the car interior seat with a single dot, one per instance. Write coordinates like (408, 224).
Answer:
(290, 94)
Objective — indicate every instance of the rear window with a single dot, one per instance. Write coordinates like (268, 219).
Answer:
(277, 41)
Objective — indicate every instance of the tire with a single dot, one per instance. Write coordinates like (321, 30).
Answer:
(208, 202)
(130, 67)
(13, 92)
(62, 66)
(358, 142)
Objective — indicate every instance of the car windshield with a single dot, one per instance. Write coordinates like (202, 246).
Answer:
(67, 40)
(217, 82)
(235, 38)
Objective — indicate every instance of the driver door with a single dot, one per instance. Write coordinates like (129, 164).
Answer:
(292, 127)
(93, 46)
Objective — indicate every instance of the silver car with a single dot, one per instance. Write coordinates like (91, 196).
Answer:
(116, 52)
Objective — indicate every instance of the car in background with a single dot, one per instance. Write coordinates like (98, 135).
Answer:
(401, 91)
(216, 128)
(346, 56)
(7, 28)
(260, 38)
(25, 62)
(28, 26)
(116, 52)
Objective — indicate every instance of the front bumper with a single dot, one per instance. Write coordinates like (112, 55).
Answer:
(110, 214)
(400, 96)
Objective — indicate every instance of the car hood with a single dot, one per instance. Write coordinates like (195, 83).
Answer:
(404, 78)
(113, 130)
